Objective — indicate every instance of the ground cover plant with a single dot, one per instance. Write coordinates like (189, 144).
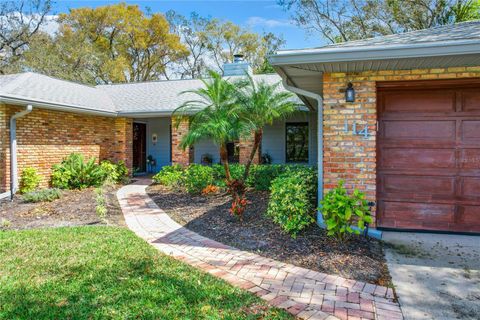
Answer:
(44, 195)
(111, 274)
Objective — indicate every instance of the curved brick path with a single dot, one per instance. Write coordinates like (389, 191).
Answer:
(305, 293)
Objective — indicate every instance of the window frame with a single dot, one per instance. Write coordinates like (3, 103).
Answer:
(303, 124)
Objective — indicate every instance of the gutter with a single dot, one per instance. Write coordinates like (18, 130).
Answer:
(376, 52)
(13, 149)
(319, 99)
(12, 99)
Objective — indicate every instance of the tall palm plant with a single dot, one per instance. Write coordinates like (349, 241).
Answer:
(215, 114)
(262, 103)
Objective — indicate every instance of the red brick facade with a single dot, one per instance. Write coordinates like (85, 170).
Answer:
(45, 137)
(352, 157)
(180, 156)
(245, 147)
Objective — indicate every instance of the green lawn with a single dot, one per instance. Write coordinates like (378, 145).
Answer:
(109, 273)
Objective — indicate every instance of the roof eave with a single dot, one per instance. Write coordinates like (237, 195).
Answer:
(15, 100)
(369, 53)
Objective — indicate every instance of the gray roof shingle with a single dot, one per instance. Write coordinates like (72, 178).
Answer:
(143, 97)
(161, 96)
(40, 88)
(452, 33)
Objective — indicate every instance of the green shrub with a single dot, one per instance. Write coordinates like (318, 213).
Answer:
(236, 171)
(76, 173)
(44, 195)
(170, 176)
(340, 210)
(114, 172)
(197, 178)
(292, 199)
(261, 176)
(29, 180)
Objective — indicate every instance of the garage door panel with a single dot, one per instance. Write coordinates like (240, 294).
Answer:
(468, 218)
(470, 159)
(417, 158)
(428, 156)
(408, 215)
(420, 101)
(470, 131)
(471, 100)
(442, 186)
(470, 187)
(414, 129)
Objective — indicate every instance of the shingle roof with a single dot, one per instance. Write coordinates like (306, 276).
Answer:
(143, 97)
(452, 33)
(39, 88)
(160, 96)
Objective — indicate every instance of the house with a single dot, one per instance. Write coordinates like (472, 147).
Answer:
(410, 137)
(52, 118)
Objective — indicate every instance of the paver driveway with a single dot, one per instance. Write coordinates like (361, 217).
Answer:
(305, 293)
(437, 276)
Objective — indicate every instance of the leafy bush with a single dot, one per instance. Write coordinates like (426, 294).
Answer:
(114, 172)
(76, 173)
(261, 176)
(170, 176)
(236, 171)
(292, 199)
(44, 195)
(197, 178)
(340, 210)
(29, 180)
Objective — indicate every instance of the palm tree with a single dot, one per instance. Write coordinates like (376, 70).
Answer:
(215, 115)
(262, 104)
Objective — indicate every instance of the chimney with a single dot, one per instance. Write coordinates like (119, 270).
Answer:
(239, 67)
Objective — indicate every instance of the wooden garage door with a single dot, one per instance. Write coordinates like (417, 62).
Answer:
(428, 155)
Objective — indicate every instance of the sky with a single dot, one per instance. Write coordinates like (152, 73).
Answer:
(257, 15)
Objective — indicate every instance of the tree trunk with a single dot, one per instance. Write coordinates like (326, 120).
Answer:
(224, 159)
(257, 138)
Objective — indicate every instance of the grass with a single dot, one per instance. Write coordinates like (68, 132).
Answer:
(109, 273)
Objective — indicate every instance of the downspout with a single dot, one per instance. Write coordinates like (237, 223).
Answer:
(13, 149)
(319, 100)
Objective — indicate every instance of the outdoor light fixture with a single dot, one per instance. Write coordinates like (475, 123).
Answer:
(350, 93)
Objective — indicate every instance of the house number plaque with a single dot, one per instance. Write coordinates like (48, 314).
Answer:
(359, 130)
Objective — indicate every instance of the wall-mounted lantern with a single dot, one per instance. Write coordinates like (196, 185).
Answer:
(350, 93)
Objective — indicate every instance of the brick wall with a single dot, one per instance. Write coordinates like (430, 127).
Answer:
(45, 137)
(245, 147)
(352, 157)
(180, 156)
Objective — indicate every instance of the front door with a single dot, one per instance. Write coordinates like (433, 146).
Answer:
(139, 146)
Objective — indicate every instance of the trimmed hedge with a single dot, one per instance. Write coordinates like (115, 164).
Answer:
(293, 199)
(170, 176)
(197, 177)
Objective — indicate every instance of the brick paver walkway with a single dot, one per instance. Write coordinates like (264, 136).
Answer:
(305, 293)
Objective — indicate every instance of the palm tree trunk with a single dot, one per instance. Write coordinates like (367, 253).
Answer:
(224, 159)
(257, 138)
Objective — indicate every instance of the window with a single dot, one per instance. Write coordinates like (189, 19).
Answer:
(297, 142)
(233, 151)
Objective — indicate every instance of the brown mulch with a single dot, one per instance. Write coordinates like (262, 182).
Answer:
(74, 208)
(358, 258)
